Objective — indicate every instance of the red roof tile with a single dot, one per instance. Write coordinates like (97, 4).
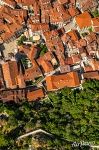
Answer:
(10, 72)
(56, 82)
(73, 35)
(91, 75)
(35, 95)
(73, 11)
(83, 20)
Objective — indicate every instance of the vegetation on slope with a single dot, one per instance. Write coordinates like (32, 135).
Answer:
(95, 13)
(21, 40)
(43, 49)
(70, 115)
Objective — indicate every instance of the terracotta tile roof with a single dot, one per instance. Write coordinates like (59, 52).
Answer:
(88, 68)
(47, 66)
(34, 19)
(44, 2)
(36, 8)
(14, 18)
(87, 4)
(50, 35)
(15, 28)
(95, 24)
(15, 14)
(91, 75)
(73, 35)
(7, 98)
(54, 42)
(95, 21)
(64, 69)
(83, 20)
(96, 29)
(10, 31)
(73, 11)
(81, 43)
(12, 95)
(19, 12)
(6, 36)
(19, 94)
(58, 14)
(10, 72)
(25, 2)
(65, 38)
(76, 58)
(8, 18)
(33, 72)
(35, 95)
(94, 66)
(10, 3)
(73, 2)
(39, 27)
(83, 51)
(63, 1)
(48, 56)
(30, 51)
(20, 81)
(90, 37)
(45, 62)
(56, 82)
(73, 59)
(61, 59)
